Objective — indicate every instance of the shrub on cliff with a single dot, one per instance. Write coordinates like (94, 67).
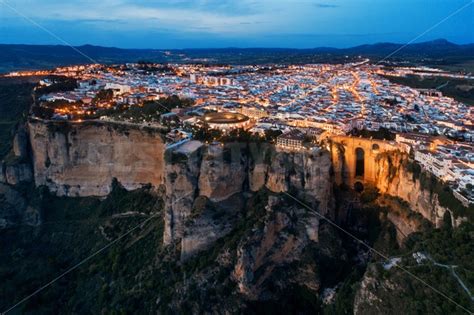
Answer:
(369, 194)
(121, 201)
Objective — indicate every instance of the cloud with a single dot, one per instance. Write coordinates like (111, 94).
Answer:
(214, 16)
(326, 5)
(274, 23)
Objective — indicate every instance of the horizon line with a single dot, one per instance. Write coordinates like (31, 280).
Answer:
(248, 47)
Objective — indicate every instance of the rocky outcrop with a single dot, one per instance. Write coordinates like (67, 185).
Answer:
(401, 216)
(16, 168)
(219, 171)
(17, 173)
(14, 209)
(181, 182)
(280, 242)
(393, 179)
(208, 222)
(82, 159)
(20, 143)
(306, 172)
(366, 300)
(223, 171)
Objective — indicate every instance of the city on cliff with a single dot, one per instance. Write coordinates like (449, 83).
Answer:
(234, 180)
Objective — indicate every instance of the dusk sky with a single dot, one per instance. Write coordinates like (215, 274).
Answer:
(233, 23)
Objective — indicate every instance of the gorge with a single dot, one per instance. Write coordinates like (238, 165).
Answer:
(223, 210)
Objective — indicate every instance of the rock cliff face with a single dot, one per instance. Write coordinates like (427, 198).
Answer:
(305, 172)
(280, 242)
(17, 173)
(82, 159)
(181, 181)
(223, 172)
(218, 172)
(366, 300)
(384, 168)
(393, 178)
(15, 209)
(17, 169)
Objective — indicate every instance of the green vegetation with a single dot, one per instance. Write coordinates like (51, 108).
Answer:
(120, 200)
(149, 111)
(393, 288)
(461, 90)
(446, 246)
(174, 157)
(344, 302)
(153, 67)
(43, 112)
(104, 95)
(295, 300)
(15, 100)
(114, 281)
(136, 275)
(370, 194)
(60, 84)
(271, 135)
(236, 135)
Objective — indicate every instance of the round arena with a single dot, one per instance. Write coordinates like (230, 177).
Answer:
(226, 121)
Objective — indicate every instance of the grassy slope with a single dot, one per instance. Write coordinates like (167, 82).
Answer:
(408, 295)
(30, 257)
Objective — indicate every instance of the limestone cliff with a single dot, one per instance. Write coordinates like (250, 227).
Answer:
(16, 168)
(82, 159)
(384, 166)
(181, 178)
(280, 242)
(223, 171)
(305, 172)
(15, 209)
(394, 179)
(219, 171)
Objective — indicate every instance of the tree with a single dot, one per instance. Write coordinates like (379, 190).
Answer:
(43, 112)
(272, 134)
(61, 84)
(104, 95)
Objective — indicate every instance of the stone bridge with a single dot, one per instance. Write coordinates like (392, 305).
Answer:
(354, 159)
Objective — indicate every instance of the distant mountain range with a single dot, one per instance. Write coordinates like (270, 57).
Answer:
(18, 57)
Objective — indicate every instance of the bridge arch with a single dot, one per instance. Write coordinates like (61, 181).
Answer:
(355, 159)
(359, 162)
